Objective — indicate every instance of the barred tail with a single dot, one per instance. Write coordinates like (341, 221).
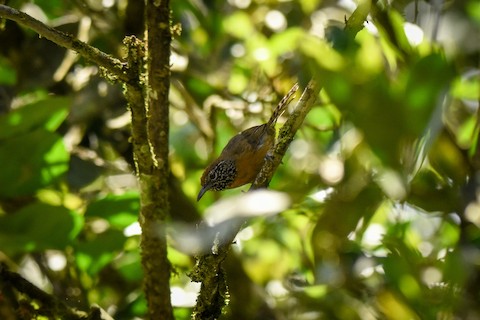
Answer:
(282, 105)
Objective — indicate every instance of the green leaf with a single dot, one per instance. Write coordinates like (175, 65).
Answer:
(98, 252)
(48, 114)
(119, 210)
(53, 8)
(351, 207)
(466, 86)
(355, 23)
(34, 160)
(239, 25)
(373, 108)
(322, 53)
(39, 226)
(455, 261)
(324, 117)
(308, 6)
(449, 161)
(427, 80)
(473, 9)
(286, 41)
(238, 81)
(8, 74)
(397, 22)
(130, 267)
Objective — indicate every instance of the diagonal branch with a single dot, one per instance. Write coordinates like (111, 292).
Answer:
(353, 25)
(286, 135)
(114, 67)
(209, 267)
(13, 286)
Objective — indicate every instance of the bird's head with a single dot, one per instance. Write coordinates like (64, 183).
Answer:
(218, 176)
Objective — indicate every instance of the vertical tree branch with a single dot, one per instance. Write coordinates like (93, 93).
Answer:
(135, 95)
(149, 108)
(154, 184)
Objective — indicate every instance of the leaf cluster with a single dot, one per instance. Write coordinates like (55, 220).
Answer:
(382, 175)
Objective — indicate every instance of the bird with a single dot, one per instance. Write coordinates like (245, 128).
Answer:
(244, 155)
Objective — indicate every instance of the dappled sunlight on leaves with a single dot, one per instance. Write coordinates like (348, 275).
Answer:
(372, 214)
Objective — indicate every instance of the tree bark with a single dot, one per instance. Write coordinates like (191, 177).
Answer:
(154, 182)
(147, 96)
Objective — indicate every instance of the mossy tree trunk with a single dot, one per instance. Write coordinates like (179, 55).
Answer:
(146, 78)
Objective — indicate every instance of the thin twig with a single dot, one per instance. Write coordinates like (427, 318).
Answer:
(114, 67)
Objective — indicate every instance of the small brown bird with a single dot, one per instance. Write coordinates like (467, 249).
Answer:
(244, 155)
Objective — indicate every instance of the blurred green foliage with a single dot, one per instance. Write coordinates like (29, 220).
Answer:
(383, 174)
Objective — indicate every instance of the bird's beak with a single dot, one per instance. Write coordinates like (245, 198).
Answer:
(204, 189)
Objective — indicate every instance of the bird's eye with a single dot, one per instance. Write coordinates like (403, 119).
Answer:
(212, 175)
